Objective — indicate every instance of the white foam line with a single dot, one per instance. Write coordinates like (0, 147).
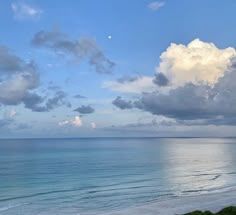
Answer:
(181, 205)
(12, 206)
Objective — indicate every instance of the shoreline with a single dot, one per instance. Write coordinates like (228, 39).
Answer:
(183, 204)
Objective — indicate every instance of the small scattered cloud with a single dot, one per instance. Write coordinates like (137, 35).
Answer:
(93, 125)
(58, 100)
(85, 109)
(122, 104)
(78, 96)
(77, 122)
(64, 122)
(134, 85)
(156, 5)
(38, 103)
(23, 11)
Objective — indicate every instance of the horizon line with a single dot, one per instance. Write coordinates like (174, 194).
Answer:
(131, 137)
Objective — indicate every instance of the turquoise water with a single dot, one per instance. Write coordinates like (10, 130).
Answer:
(92, 176)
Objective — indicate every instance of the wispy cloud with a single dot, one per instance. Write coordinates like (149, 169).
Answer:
(82, 48)
(23, 11)
(78, 96)
(156, 5)
(134, 85)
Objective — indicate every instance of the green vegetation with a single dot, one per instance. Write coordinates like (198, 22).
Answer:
(226, 211)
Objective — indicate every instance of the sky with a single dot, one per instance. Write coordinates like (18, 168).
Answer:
(110, 68)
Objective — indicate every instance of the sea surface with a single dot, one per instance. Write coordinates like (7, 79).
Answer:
(100, 175)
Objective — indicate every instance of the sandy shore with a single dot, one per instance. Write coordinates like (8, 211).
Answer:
(180, 205)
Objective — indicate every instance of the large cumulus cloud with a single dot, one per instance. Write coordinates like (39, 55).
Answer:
(198, 62)
(122, 104)
(203, 87)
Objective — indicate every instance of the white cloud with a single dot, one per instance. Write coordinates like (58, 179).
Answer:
(156, 5)
(198, 62)
(93, 124)
(198, 88)
(75, 122)
(139, 85)
(65, 122)
(23, 11)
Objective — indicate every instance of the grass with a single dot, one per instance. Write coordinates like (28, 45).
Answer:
(226, 211)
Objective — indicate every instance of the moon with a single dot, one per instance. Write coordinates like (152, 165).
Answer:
(109, 37)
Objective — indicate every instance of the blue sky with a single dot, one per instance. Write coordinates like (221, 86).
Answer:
(117, 68)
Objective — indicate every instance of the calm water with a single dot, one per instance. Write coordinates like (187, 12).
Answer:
(88, 176)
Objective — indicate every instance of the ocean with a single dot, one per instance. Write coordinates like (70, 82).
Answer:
(102, 175)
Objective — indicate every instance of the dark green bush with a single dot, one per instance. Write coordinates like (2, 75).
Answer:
(226, 211)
